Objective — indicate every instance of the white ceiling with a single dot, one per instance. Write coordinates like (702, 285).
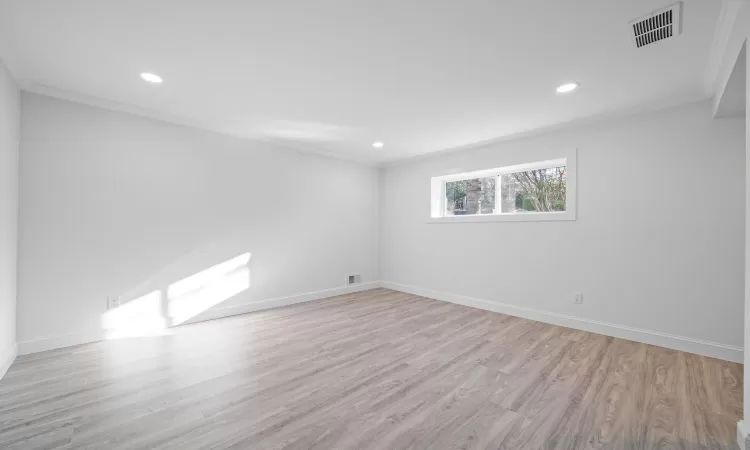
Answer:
(334, 76)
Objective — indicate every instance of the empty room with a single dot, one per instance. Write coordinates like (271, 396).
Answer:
(374, 224)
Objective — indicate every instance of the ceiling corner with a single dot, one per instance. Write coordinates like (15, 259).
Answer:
(11, 60)
(726, 44)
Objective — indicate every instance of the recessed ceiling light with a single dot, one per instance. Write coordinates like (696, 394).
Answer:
(378, 144)
(567, 87)
(151, 77)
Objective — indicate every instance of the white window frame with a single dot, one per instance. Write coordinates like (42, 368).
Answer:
(437, 193)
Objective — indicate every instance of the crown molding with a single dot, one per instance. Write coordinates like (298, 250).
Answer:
(97, 102)
(175, 119)
(575, 124)
(722, 34)
(728, 39)
(10, 58)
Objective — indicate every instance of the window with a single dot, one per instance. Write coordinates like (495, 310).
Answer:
(543, 190)
(475, 196)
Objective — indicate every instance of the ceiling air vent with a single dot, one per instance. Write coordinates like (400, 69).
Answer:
(657, 26)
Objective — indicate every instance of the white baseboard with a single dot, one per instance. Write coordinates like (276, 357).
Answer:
(742, 436)
(68, 340)
(682, 343)
(61, 341)
(686, 344)
(218, 313)
(6, 359)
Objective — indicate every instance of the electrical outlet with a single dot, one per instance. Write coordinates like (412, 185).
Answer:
(577, 298)
(113, 302)
(354, 279)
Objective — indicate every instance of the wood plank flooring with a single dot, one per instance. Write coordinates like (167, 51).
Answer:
(373, 370)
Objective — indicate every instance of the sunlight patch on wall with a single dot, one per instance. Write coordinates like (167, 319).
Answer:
(153, 313)
(192, 295)
(139, 317)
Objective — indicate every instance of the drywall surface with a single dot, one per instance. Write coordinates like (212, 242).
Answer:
(744, 31)
(113, 205)
(658, 243)
(9, 136)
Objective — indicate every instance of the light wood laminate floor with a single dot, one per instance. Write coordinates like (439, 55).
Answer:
(372, 370)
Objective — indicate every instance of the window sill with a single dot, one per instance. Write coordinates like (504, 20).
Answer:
(528, 217)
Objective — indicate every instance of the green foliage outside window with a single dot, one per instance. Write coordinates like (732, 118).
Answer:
(541, 190)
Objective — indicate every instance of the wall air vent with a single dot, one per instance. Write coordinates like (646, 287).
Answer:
(657, 26)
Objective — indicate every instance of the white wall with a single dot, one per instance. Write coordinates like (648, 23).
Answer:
(658, 243)
(113, 204)
(9, 132)
(117, 205)
(743, 30)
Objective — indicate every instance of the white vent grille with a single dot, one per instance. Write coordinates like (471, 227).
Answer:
(657, 26)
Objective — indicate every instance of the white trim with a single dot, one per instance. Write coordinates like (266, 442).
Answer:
(686, 344)
(485, 173)
(61, 341)
(682, 343)
(176, 119)
(510, 217)
(111, 105)
(731, 32)
(743, 439)
(9, 57)
(7, 358)
(719, 46)
(218, 313)
(55, 342)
